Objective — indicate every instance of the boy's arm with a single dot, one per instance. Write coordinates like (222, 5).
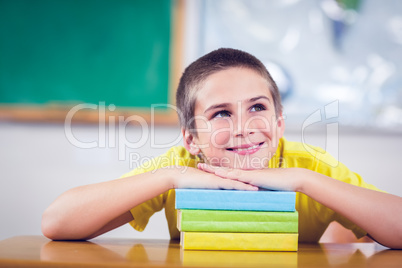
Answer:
(87, 211)
(379, 214)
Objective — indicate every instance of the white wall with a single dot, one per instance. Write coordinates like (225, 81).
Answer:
(38, 163)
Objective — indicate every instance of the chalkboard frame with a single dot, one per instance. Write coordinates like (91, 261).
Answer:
(57, 113)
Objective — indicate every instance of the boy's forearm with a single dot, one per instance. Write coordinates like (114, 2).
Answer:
(86, 211)
(82, 211)
(379, 214)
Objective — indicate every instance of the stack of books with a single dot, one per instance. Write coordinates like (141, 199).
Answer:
(237, 220)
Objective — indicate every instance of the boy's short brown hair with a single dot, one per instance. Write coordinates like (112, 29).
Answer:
(218, 60)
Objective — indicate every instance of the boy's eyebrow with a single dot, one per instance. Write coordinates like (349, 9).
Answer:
(259, 97)
(217, 106)
(225, 105)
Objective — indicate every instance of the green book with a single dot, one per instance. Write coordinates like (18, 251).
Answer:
(237, 221)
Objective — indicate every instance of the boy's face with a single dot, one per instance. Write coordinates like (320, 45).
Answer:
(235, 120)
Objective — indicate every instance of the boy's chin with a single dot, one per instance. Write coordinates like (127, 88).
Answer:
(252, 165)
(249, 167)
(246, 163)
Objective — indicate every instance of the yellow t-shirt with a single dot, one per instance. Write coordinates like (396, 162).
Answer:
(314, 218)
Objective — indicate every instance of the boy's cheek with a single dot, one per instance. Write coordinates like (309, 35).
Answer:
(220, 134)
(220, 139)
(202, 125)
(268, 129)
(260, 124)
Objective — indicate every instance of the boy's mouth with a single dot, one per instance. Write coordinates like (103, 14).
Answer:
(246, 148)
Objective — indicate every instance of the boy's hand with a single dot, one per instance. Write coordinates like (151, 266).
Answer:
(286, 179)
(194, 178)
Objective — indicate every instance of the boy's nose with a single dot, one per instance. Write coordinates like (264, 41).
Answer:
(242, 132)
(241, 127)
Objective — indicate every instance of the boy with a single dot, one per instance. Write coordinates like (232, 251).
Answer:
(232, 126)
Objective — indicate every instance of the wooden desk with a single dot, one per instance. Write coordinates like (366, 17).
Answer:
(37, 251)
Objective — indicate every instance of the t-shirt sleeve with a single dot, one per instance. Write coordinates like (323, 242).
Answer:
(327, 165)
(143, 212)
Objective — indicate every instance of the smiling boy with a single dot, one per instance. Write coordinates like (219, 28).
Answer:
(232, 126)
(235, 127)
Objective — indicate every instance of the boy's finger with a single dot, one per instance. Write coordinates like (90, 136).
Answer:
(209, 168)
(205, 167)
(234, 174)
(226, 173)
(237, 185)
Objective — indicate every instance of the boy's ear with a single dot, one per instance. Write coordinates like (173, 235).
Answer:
(281, 126)
(189, 142)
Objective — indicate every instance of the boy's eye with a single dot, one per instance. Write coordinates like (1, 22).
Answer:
(223, 113)
(257, 108)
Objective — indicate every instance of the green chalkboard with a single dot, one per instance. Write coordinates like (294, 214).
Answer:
(85, 51)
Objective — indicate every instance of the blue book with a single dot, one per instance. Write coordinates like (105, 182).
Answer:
(235, 200)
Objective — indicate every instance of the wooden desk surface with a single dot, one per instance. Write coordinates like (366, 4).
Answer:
(37, 251)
